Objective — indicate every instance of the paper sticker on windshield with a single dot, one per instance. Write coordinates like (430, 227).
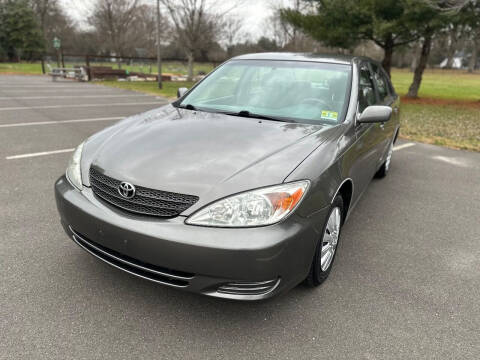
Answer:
(329, 115)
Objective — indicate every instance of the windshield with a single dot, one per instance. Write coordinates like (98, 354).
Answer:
(289, 90)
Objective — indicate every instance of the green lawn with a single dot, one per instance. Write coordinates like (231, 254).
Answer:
(169, 88)
(21, 68)
(175, 67)
(441, 84)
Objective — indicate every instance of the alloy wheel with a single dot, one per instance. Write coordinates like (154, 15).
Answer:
(330, 239)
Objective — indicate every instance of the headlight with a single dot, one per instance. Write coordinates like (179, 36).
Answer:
(74, 174)
(253, 208)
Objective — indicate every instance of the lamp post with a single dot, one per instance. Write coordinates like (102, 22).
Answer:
(159, 55)
(57, 44)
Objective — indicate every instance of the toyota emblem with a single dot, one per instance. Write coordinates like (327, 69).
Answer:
(126, 189)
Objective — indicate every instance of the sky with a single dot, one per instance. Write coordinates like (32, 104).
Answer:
(254, 12)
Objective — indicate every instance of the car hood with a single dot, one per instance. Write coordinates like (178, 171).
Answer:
(198, 153)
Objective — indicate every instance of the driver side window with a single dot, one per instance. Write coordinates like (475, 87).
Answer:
(366, 93)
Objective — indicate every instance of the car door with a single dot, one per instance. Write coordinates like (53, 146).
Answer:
(387, 97)
(395, 105)
(366, 148)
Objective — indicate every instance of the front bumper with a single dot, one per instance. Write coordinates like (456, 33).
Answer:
(244, 264)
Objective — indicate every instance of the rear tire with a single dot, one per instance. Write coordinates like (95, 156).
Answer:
(327, 246)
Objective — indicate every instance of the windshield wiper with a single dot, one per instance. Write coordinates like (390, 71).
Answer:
(248, 114)
(188, 107)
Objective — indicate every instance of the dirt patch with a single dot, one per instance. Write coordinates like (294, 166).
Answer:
(442, 102)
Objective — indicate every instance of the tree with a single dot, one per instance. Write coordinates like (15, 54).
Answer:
(112, 20)
(265, 44)
(471, 16)
(454, 31)
(196, 26)
(53, 22)
(124, 28)
(287, 36)
(428, 18)
(20, 34)
(345, 23)
(232, 32)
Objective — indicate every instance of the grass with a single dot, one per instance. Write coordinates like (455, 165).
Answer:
(169, 88)
(453, 126)
(178, 67)
(441, 84)
(21, 68)
(175, 67)
(437, 84)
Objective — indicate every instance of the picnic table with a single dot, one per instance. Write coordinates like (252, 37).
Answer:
(77, 73)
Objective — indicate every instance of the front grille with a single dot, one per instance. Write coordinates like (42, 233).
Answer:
(146, 201)
(249, 288)
(136, 267)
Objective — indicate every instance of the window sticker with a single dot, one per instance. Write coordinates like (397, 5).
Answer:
(329, 115)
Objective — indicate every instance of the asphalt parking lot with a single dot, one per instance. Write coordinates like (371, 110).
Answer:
(405, 284)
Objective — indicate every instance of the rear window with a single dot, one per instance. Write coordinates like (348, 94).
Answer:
(381, 82)
(366, 96)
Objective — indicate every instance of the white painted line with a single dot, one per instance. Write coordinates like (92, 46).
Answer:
(4, 86)
(81, 105)
(403, 146)
(59, 122)
(69, 97)
(95, 89)
(45, 84)
(23, 156)
(452, 161)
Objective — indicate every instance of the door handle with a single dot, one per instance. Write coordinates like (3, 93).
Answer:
(395, 110)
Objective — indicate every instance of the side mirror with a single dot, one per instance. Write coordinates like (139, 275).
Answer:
(181, 91)
(375, 114)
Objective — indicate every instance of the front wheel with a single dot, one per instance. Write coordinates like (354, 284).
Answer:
(327, 246)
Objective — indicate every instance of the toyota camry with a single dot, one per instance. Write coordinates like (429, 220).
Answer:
(240, 188)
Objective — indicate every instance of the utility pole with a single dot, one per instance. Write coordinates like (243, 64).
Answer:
(57, 44)
(159, 55)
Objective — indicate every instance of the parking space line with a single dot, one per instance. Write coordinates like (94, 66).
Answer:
(79, 105)
(69, 97)
(60, 122)
(452, 161)
(403, 146)
(23, 156)
(98, 88)
(4, 86)
(45, 84)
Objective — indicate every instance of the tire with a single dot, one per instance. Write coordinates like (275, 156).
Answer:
(318, 272)
(383, 171)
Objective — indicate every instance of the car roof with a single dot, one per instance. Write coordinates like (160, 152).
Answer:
(311, 57)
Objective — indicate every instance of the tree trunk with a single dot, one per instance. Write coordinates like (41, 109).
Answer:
(413, 64)
(473, 58)
(451, 48)
(190, 66)
(422, 64)
(43, 64)
(449, 60)
(387, 58)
